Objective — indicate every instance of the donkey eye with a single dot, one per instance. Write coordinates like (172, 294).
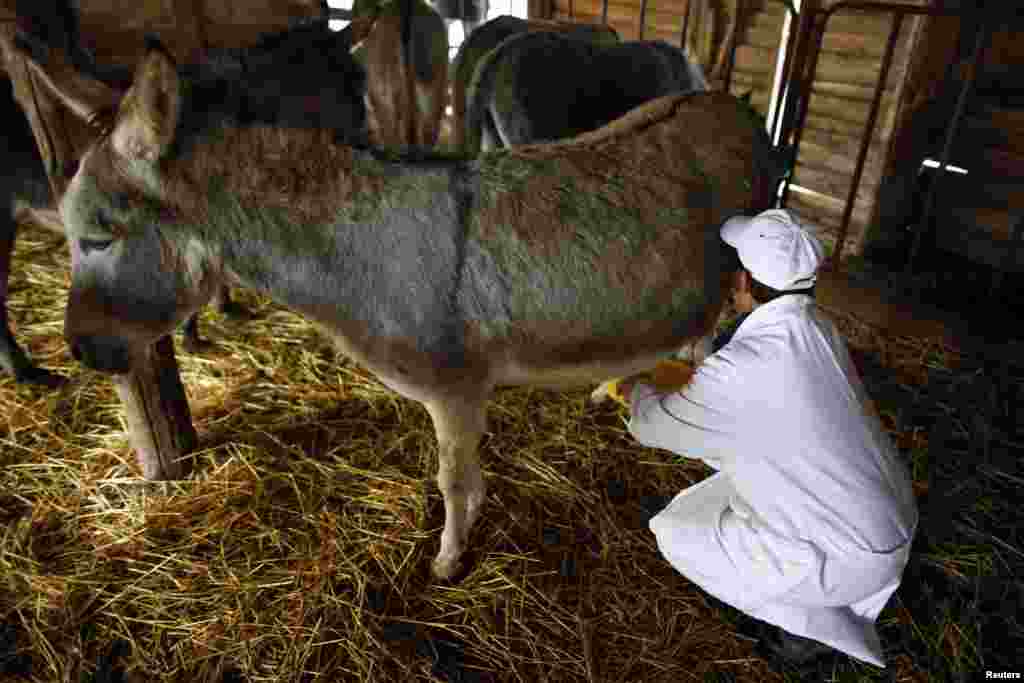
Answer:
(103, 219)
(88, 245)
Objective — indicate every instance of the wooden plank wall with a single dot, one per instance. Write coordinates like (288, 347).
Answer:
(709, 28)
(841, 93)
(238, 21)
(114, 29)
(757, 52)
(976, 213)
(848, 69)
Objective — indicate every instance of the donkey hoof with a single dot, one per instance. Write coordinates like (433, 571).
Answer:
(40, 377)
(446, 568)
(195, 344)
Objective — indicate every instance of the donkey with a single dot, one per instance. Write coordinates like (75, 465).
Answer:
(301, 77)
(553, 265)
(549, 86)
(403, 45)
(491, 34)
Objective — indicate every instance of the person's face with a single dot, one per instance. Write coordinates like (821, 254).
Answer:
(742, 300)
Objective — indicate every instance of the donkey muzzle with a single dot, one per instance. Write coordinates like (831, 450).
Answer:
(105, 354)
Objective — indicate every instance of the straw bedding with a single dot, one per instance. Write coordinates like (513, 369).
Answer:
(300, 549)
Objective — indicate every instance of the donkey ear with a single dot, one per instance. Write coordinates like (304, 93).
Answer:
(149, 112)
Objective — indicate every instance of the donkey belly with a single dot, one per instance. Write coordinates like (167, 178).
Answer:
(582, 317)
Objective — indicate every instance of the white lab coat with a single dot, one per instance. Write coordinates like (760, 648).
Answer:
(808, 522)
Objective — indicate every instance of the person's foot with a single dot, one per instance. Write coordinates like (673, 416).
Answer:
(650, 506)
(792, 649)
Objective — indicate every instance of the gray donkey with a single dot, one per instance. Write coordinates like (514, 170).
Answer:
(553, 265)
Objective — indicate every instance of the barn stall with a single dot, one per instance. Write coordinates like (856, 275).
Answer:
(299, 549)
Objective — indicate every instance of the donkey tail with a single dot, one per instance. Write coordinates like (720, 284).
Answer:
(479, 120)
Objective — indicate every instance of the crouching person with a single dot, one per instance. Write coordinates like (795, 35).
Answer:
(807, 523)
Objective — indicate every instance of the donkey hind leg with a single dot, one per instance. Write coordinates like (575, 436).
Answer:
(190, 339)
(459, 426)
(14, 361)
(12, 357)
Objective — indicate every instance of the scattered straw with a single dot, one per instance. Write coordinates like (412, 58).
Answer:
(300, 549)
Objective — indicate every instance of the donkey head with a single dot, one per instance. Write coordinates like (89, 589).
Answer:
(133, 277)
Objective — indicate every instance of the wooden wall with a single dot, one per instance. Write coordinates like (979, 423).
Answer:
(711, 22)
(113, 29)
(977, 212)
(841, 92)
(848, 69)
(759, 43)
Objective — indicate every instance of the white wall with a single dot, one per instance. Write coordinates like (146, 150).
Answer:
(338, 24)
(496, 8)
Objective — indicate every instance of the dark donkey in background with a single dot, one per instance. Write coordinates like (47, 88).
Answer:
(489, 36)
(552, 265)
(550, 86)
(302, 77)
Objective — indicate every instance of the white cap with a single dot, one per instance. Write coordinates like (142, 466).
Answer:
(775, 248)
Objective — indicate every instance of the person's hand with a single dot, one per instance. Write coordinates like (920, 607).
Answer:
(625, 387)
(666, 376)
(618, 390)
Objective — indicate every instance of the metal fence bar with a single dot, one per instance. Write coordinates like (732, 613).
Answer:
(604, 12)
(643, 18)
(794, 86)
(947, 145)
(869, 131)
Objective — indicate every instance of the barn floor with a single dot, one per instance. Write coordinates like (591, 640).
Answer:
(975, 295)
(299, 550)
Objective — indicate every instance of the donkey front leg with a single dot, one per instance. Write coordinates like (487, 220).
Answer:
(229, 307)
(459, 424)
(190, 338)
(12, 358)
(222, 300)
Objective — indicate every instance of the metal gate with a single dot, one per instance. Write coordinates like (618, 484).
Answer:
(796, 98)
